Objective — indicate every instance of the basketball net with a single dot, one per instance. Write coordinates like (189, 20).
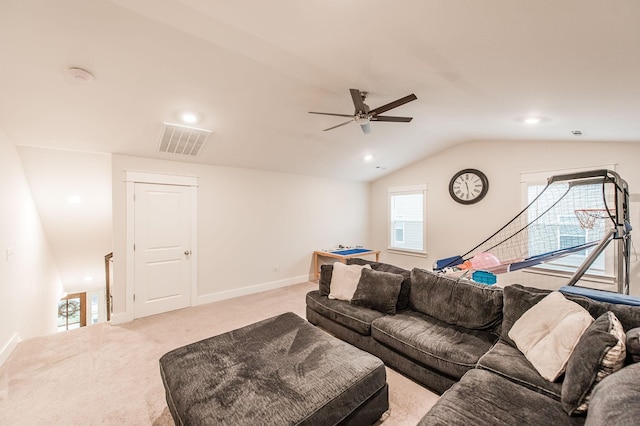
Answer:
(589, 217)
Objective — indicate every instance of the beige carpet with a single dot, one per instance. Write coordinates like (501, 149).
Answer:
(109, 375)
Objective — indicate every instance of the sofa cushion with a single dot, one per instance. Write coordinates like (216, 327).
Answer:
(548, 332)
(600, 352)
(378, 290)
(518, 299)
(509, 362)
(633, 345)
(405, 289)
(447, 348)
(324, 284)
(457, 302)
(483, 398)
(355, 318)
(615, 401)
(344, 280)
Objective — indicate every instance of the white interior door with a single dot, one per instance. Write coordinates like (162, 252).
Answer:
(162, 249)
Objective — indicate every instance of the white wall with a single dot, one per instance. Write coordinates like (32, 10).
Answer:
(251, 222)
(29, 282)
(79, 234)
(453, 228)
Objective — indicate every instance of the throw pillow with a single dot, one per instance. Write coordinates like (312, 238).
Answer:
(344, 280)
(405, 289)
(378, 290)
(633, 344)
(324, 284)
(518, 299)
(548, 332)
(599, 352)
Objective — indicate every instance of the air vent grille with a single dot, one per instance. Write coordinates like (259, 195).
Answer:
(182, 140)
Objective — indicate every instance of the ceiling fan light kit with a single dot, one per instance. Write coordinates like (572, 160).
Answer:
(364, 116)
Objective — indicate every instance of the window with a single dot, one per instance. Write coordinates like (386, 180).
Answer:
(549, 233)
(71, 311)
(407, 219)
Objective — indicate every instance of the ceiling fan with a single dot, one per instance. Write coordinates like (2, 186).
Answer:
(363, 115)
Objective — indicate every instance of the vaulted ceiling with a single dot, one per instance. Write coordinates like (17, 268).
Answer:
(253, 69)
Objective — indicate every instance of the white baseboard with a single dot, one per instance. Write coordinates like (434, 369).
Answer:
(121, 318)
(8, 348)
(236, 292)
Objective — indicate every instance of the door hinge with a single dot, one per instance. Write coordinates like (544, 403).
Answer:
(134, 247)
(134, 297)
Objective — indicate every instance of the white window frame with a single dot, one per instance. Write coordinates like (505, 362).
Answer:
(555, 269)
(407, 190)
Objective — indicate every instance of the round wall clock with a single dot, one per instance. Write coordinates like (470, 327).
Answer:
(468, 186)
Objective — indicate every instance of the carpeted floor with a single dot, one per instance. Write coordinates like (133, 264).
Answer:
(109, 375)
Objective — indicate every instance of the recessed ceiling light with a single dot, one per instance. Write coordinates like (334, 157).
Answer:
(88, 278)
(74, 199)
(368, 157)
(532, 120)
(190, 117)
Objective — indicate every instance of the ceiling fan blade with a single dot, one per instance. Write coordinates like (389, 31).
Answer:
(357, 101)
(393, 104)
(389, 118)
(330, 113)
(339, 125)
(366, 127)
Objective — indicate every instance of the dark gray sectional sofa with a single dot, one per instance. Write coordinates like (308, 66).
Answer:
(452, 337)
(441, 329)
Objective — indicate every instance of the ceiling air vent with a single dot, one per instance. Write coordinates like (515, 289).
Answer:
(182, 140)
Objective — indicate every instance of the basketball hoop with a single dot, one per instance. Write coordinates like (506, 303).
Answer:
(589, 217)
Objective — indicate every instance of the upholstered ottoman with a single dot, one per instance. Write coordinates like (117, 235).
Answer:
(280, 371)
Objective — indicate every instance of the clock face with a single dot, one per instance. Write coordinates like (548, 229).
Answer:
(468, 186)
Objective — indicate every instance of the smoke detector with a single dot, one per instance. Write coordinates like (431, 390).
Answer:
(80, 75)
(182, 140)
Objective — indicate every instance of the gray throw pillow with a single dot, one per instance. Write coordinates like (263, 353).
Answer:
(633, 344)
(378, 290)
(405, 289)
(599, 353)
(456, 302)
(324, 284)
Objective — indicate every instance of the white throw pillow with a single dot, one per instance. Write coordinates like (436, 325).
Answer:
(548, 333)
(344, 280)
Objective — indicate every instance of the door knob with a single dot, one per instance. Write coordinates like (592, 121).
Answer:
(187, 252)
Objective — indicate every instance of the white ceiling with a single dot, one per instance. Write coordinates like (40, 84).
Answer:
(254, 68)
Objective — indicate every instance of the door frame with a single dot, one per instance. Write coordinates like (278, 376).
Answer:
(131, 178)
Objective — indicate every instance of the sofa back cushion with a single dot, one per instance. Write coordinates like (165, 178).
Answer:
(405, 287)
(518, 299)
(633, 345)
(616, 399)
(456, 302)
